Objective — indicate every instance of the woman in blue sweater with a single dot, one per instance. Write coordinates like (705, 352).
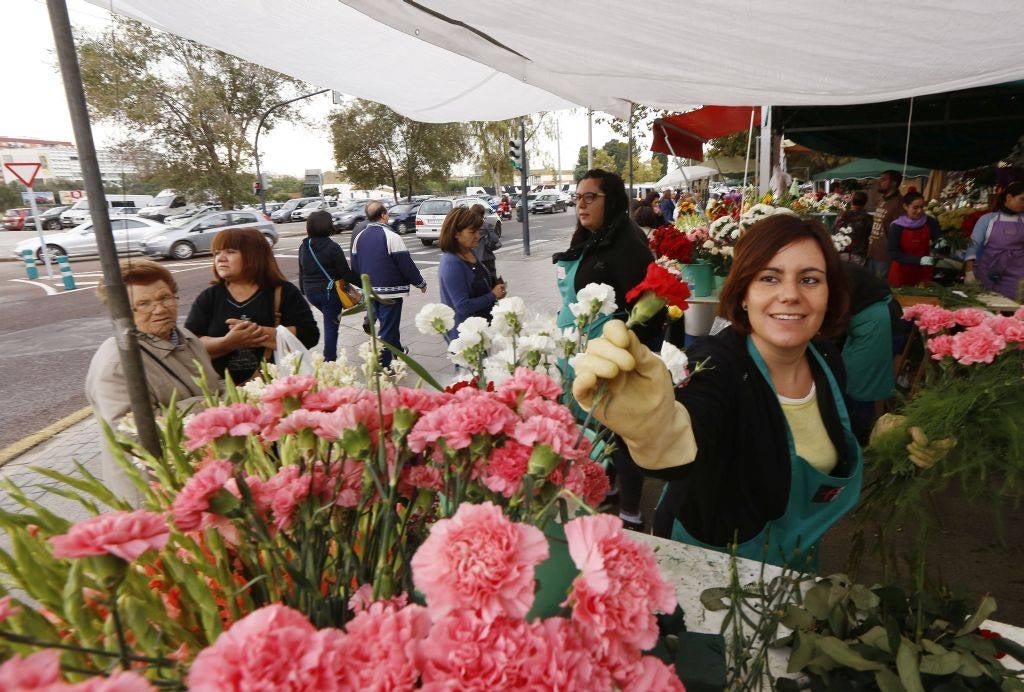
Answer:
(466, 285)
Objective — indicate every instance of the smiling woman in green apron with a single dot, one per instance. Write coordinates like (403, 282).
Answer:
(759, 444)
(608, 248)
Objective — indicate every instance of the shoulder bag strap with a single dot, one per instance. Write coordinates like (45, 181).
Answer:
(330, 281)
(268, 353)
(166, 369)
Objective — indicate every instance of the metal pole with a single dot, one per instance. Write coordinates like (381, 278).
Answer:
(558, 145)
(764, 169)
(524, 200)
(746, 161)
(39, 231)
(590, 138)
(117, 294)
(906, 145)
(256, 143)
(630, 153)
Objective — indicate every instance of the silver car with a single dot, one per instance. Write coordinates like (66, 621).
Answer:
(195, 236)
(431, 213)
(129, 232)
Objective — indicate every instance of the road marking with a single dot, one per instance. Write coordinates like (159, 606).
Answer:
(29, 441)
(423, 252)
(287, 256)
(50, 290)
(427, 262)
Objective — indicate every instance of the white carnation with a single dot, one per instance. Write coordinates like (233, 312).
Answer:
(508, 315)
(473, 327)
(542, 324)
(435, 318)
(709, 244)
(676, 362)
(594, 299)
(466, 350)
(539, 343)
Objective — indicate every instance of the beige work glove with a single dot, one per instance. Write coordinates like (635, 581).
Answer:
(922, 452)
(637, 402)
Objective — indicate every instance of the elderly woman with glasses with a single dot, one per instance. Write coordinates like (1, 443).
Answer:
(170, 356)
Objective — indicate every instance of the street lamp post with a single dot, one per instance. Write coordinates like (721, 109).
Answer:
(256, 144)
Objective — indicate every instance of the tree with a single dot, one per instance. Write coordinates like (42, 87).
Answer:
(373, 145)
(10, 196)
(194, 106)
(490, 141)
(730, 145)
(619, 151)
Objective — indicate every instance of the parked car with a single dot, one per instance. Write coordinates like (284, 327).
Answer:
(519, 205)
(166, 203)
(125, 211)
(284, 214)
(194, 213)
(348, 216)
(402, 218)
(79, 211)
(14, 219)
(431, 213)
(185, 241)
(49, 219)
(548, 203)
(303, 212)
(80, 240)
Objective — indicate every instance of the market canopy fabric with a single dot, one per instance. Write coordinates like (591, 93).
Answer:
(684, 134)
(684, 175)
(868, 168)
(950, 131)
(437, 60)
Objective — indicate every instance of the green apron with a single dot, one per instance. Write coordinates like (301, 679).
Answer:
(816, 500)
(867, 353)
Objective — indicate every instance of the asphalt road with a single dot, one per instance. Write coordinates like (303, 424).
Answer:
(48, 336)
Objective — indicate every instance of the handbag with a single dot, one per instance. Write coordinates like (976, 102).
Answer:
(348, 294)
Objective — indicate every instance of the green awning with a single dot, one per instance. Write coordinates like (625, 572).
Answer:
(953, 131)
(867, 168)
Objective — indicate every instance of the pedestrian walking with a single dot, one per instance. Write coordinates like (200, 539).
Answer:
(381, 253)
(322, 265)
(466, 284)
(667, 207)
(237, 317)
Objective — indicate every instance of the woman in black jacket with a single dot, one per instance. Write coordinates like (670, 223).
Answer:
(608, 248)
(322, 263)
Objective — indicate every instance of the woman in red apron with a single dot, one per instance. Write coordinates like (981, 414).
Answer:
(910, 241)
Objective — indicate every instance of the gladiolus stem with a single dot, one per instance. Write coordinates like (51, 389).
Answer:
(31, 641)
(124, 655)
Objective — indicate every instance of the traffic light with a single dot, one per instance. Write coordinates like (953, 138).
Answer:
(515, 154)
(256, 187)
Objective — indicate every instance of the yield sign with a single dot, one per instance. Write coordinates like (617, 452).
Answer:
(25, 172)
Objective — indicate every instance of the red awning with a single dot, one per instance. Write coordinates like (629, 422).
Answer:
(687, 132)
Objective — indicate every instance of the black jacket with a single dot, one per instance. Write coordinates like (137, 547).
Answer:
(740, 479)
(617, 255)
(330, 254)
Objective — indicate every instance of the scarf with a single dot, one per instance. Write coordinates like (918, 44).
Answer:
(906, 222)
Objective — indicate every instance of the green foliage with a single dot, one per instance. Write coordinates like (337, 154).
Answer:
(374, 145)
(10, 196)
(730, 145)
(195, 107)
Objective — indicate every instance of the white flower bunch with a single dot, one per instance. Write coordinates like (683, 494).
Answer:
(841, 238)
(435, 318)
(676, 362)
(336, 373)
(593, 300)
(252, 391)
(469, 348)
(508, 315)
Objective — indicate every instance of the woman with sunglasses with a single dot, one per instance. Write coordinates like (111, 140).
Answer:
(608, 248)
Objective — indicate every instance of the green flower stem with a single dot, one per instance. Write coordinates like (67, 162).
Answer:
(32, 641)
(124, 656)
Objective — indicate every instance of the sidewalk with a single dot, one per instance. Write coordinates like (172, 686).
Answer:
(531, 278)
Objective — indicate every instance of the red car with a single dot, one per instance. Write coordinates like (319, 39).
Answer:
(14, 219)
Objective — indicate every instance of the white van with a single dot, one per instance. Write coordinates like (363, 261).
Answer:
(79, 211)
(166, 203)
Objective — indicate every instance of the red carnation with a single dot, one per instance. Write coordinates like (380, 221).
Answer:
(668, 241)
(659, 288)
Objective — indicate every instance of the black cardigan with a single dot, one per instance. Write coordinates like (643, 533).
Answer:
(740, 479)
(330, 254)
(617, 255)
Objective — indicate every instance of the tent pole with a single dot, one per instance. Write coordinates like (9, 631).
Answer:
(630, 151)
(672, 150)
(117, 294)
(906, 146)
(590, 138)
(746, 161)
(764, 169)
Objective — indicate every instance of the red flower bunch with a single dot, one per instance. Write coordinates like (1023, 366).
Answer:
(668, 241)
(663, 284)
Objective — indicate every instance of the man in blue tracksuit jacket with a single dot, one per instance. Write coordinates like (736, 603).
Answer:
(381, 253)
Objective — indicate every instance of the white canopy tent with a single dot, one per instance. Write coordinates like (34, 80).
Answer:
(684, 175)
(444, 60)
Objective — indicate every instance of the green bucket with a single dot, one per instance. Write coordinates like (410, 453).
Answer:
(700, 277)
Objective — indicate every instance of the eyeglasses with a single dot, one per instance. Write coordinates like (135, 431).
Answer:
(587, 197)
(147, 306)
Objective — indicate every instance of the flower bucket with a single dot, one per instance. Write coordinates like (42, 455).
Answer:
(700, 276)
(719, 282)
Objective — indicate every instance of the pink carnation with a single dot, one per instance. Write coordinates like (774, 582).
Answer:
(36, 672)
(119, 681)
(193, 501)
(977, 345)
(361, 412)
(940, 346)
(565, 659)
(284, 395)
(124, 534)
(292, 424)
(236, 420)
(291, 487)
(380, 647)
(528, 384)
(466, 415)
(413, 398)
(362, 600)
(6, 609)
(466, 652)
(930, 319)
(650, 673)
(479, 560)
(619, 587)
(413, 478)
(330, 398)
(506, 467)
(588, 481)
(273, 648)
(1010, 328)
(970, 317)
(541, 430)
(1019, 314)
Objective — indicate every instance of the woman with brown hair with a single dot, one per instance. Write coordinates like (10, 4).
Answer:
(467, 287)
(237, 317)
(759, 445)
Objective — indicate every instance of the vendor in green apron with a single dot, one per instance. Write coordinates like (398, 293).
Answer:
(608, 248)
(760, 441)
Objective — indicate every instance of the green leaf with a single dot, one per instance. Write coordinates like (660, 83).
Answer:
(933, 648)
(816, 601)
(987, 607)
(969, 666)
(796, 618)
(864, 598)
(888, 681)
(841, 653)
(713, 599)
(906, 666)
(878, 638)
(803, 652)
(940, 664)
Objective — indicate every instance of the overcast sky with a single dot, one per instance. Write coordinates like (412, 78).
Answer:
(39, 110)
